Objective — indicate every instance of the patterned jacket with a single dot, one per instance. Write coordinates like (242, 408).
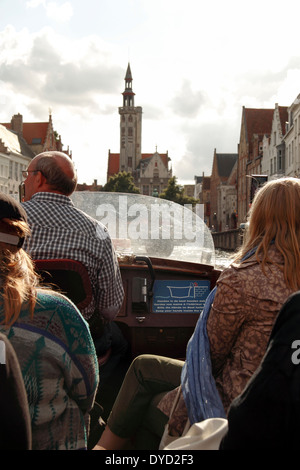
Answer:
(60, 371)
(241, 319)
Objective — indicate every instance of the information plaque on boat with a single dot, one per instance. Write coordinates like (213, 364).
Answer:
(180, 296)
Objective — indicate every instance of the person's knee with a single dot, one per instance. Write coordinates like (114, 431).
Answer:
(144, 359)
(146, 364)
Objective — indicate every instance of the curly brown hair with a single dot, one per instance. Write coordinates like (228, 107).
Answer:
(18, 278)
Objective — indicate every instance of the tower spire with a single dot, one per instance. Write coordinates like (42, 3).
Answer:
(128, 95)
(130, 128)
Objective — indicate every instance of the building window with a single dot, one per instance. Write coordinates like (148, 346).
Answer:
(130, 131)
(279, 160)
(129, 162)
(155, 173)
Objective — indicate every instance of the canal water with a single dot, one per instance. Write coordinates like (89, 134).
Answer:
(223, 258)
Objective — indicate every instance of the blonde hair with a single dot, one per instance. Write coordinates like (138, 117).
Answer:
(274, 217)
(18, 279)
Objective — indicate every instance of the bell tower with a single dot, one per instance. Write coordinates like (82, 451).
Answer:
(130, 128)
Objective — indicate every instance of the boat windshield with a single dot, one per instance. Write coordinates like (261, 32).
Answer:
(150, 226)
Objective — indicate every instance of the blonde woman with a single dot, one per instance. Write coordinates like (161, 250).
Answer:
(251, 292)
(232, 334)
(51, 339)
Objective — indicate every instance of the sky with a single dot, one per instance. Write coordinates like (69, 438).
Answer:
(194, 64)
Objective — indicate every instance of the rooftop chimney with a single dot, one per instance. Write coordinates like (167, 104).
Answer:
(17, 123)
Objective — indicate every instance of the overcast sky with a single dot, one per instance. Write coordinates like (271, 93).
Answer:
(195, 64)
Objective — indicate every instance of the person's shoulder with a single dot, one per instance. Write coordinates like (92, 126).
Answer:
(233, 275)
(56, 302)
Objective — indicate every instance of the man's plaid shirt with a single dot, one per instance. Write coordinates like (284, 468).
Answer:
(60, 230)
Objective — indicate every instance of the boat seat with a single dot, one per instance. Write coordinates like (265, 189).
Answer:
(70, 278)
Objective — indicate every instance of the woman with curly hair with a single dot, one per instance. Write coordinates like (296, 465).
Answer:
(51, 340)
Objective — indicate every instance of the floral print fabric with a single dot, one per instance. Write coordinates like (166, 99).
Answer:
(241, 319)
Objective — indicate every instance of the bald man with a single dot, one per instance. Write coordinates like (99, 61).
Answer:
(60, 230)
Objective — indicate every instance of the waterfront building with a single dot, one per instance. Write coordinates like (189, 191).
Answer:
(255, 126)
(292, 140)
(273, 161)
(223, 191)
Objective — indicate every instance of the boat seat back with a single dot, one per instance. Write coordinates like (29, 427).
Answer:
(68, 276)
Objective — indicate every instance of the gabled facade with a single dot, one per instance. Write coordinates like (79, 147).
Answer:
(40, 136)
(255, 126)
(273, 161)
(151, 171)
(220, 213)
(19, 143)
(15, 156)
(292, 140)
(151, 175)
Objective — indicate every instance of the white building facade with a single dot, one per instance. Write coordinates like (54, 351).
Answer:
(273, 161)
(292, 140)
(15, 157)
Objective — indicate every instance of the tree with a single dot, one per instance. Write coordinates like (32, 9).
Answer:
(122, 182)
(174, 192)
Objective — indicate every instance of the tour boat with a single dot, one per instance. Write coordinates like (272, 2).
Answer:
(162, 248)
(166, 256)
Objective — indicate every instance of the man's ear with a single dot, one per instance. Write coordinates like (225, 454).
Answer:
(40, 179)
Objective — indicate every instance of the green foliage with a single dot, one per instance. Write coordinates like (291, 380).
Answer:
(121, 183)
(174, 192)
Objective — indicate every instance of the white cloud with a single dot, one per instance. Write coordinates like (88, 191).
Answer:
(194, 67)
(60, 13)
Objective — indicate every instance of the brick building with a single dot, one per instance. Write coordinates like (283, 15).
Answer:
(220, 213)
(255, 125)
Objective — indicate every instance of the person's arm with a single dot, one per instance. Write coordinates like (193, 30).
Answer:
(111, 291)
(225, 319)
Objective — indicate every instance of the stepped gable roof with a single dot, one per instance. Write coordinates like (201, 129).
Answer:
(225, 163)
(14, 143)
